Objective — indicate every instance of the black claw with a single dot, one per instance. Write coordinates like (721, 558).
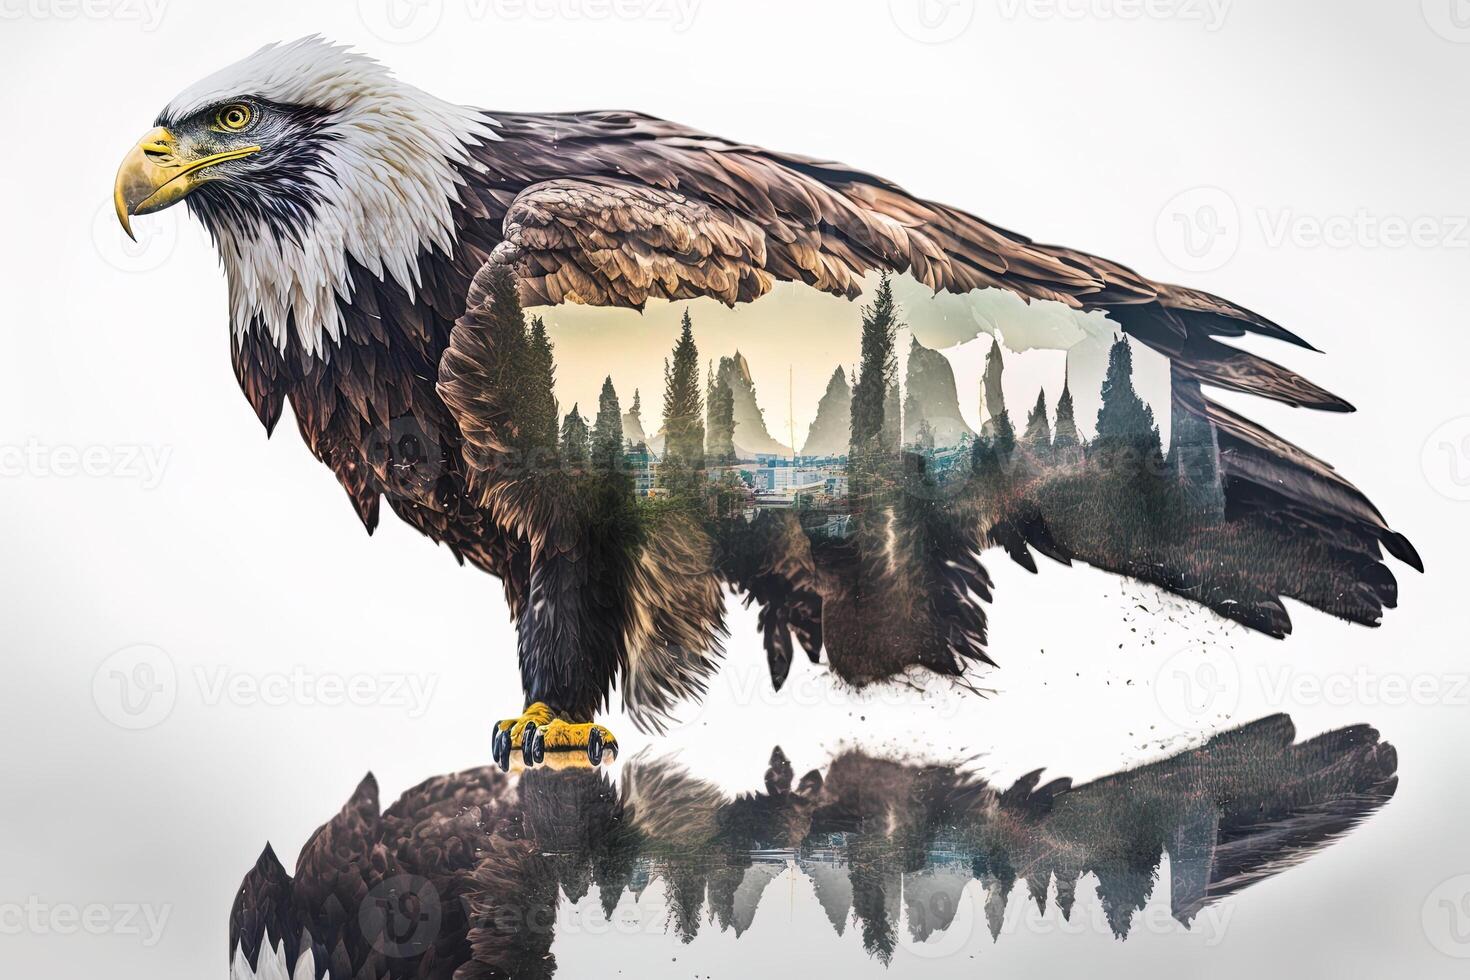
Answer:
(500, 747)
(495, 744)
(528, 744)
(540, 753)
(594, 746)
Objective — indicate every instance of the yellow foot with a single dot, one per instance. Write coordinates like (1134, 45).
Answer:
(540, 731)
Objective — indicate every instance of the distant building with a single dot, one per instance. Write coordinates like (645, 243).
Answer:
(640, 465)
(780, 479)
(791, 495)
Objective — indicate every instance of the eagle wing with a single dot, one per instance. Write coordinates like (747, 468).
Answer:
(646, 208)
(616, 208)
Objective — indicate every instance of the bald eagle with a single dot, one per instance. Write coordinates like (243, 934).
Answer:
(464, 875)
(381, 247)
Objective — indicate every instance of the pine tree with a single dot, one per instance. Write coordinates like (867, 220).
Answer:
(1124, 416)
(607, 432)
(892, 419)
(1126, 434)
(1066, 437)
(720, 420)
(877, 375)
(505, 333)
(1038, 430)
(575, 440)
(538, 380)
(683, 408)
(913, 412)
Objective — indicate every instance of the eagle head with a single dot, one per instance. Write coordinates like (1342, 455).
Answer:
(297, 159)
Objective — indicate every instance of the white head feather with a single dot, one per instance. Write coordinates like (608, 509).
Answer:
(393, 160)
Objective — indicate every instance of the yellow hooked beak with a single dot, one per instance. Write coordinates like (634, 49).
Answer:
(154, 175)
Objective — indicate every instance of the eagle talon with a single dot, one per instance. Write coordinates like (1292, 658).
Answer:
(500, 749)
(541, 732)
(528, 744)
(510, 734)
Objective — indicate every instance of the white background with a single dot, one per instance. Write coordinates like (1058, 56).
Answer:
(1082, 123)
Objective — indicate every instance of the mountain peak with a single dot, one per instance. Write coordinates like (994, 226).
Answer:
(932, 396)
(751, 435)
(830, 433)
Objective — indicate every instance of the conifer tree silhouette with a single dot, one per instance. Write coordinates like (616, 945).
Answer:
(1125, 423)
(538, 379)
(1038, 429)
(683, 406)
(1065, 436)
(576, 445)
(720, 420)
(607, 432)
(877, 376)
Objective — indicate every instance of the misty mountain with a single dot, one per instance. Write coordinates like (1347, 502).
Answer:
(831, 430)
(751, 435)
(930, 395)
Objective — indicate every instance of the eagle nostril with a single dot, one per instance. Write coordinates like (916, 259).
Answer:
(160, 153)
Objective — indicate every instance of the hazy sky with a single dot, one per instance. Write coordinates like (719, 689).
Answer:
(795, 337)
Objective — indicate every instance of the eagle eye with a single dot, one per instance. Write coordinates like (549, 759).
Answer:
(233, 117)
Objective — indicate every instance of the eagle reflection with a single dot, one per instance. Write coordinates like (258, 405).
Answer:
(464, 876)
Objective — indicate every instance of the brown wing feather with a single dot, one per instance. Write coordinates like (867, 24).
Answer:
(793, 218)
(619, 207)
